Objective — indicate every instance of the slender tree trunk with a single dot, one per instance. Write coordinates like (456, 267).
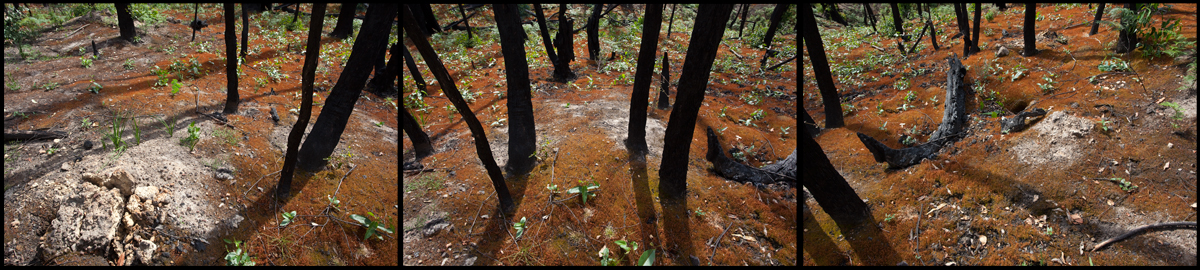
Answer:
(975, 37)
(706, 38)
(368, 48)
(541, 19)
(816, 54)
(307, 77)
(1096, 21)
(455, 97)
(412, 69)
(419, 139)
(776, 17)
(593, 32)
(652, 23)
(467, 21)
(522, 139)
(664, 100)
(1030, 42)
(231, 62)
(870, 15)
(245, 32)
(742, 25)
(828, 187)
(897, 22)
(671, 22)
(932, 30)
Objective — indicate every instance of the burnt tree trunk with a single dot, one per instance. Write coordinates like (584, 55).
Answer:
(541, 19)
(565, 44)
(932, 31)
(345, 23)
(820, 64)
(975, 36)
(467, 22)
(870, 16)
(1096, 21)
(671, 22)
(593, 32)
(897, 22)
(776, 18)
(20, 135)
(828, 187)
(735, 171)
(522, 139)
(308, 76)
(706, 38)
(420, 140)
(742, 25)
(125, 22)
(1030, 41)
(368, 48)
(664, 100)
(245, 32)
(231, 62)
(652, 23)
(412, 68)
(954, 121)
(455, 97)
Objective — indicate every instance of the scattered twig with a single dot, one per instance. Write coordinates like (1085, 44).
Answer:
(718, 242)
(1139, 230)
(426, 170)
(339, 188)
(256, 184)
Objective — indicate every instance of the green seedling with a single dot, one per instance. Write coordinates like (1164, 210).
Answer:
(1104, 125)
(1125, 185)
(520, 227)
(371, 225)
(287, 218)
(170, 126)
(333, 201)
(174, 87)
(889, 218)
(584, 190)
(237, 257)
(647, 258)
(1178, 111)
(193, 137)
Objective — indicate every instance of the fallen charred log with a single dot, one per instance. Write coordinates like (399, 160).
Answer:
(22, 135)
(954, 121)
(1017, 123)
(732, 170)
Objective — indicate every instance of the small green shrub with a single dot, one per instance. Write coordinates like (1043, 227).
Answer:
(237, 257)
(371, 225)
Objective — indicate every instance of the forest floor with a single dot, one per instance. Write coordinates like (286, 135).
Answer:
(450, 215)
(51, 87)
(1119, 154)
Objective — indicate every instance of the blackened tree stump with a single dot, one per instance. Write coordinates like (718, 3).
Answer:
(954, 121)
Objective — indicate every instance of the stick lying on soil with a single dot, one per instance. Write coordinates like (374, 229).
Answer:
(954, 122)
(1140, 230)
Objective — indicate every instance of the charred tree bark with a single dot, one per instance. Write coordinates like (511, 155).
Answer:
(1030, 41)
(308, 76)
(932, 31)
(742, 25)
(21, 135)
(735, 171)
(455, 97)
(954, 121)
(231, 62)
(420, 140)
(776, 17)
(870, 16)
(368, 48)
(831, 11)
(125, 22)
(245, 32)
(897, 22)
(412, 68)
(565, 44)
(652, 23)
(467, 21)
(1096, 21)
(816, 54)
(345, 23)
(975, 36)
(522, 139)
(664, 100)
(593, 32)
(706, 38)
(671, 22)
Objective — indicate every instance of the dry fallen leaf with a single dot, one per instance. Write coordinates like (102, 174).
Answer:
(983, 239)
(1075, 218)
(1111, 203)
